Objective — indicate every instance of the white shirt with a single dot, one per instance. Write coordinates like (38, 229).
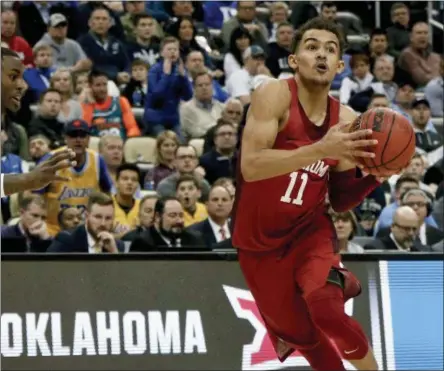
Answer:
(217, 230)
(91, 244)
(2, 190)
(239, 84)
(422, 234)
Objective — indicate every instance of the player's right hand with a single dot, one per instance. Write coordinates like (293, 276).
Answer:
(46, 172)
(340, 143)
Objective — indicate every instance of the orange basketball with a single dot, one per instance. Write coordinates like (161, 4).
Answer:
(396, 141)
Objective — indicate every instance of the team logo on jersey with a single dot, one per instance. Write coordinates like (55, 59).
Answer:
(260, 354)
(74, 193)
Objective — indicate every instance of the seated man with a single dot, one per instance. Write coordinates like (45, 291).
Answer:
(188, 192)
(146, 217)
(168, 230)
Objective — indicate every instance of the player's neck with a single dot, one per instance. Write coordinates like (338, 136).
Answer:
(313, 99)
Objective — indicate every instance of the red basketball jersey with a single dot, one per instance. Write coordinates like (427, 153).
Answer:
(271, 213)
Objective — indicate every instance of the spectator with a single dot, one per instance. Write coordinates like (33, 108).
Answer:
(38, 77)
(38, 147)
(346, 226)
(246, 17)
(337, 81)
(146, 217)
(11, 163)
(277, 60)
(167, 143)
(34, 16)
(146, 44)
(398, 33)
(434, 176)
(404, 98)
(202, 111)
(384, 71)
(240, 40)
(195, 64)
(417, 59)
(13, 41)
(111, 150)
(71, 110)
(133, 9)
(220, 161)
(46, 120)
(126, 206)
(279, 13)
(135, 91)
(216, 228)
(218, 12)
(379, 101)
(421, 203)
(106, 114)
(87, 176)
(168, 84)
(241, 83)
(188, 192)
(168, 230)
(95, 236)
(301, 12)
(185, 162)
(329, 12)
(426, 139)
(69, 219)
(106, 52)
(378, 47)
(17, 142)
(368, 213)
(360, 81)
(434, 92)
(31, 225)
(184, 30)
(403, 233)
(403, 184)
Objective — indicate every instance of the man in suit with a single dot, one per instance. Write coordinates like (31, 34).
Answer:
(168, 230)
(31, 228)
(146, 217)
(95, 236)
(215, 230)
(421, 203)
(403, 234)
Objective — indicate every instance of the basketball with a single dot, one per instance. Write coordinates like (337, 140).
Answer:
(396, 141)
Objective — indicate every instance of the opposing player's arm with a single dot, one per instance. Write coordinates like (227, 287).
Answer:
(259, 161)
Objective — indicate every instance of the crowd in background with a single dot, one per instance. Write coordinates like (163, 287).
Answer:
(151, 97)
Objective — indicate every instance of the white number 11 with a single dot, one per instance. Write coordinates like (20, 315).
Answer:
(287, 196)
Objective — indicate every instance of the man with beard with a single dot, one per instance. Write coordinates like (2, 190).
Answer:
(13, 89)
(95, 236)
(89, 175)
(168, 230)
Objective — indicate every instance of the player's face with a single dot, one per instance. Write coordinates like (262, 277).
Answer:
(172, 221)
(167, 150)
(421, 114)
(78, 142)
(419, 204)
(71, 218)
(146, 212)
(188, 194)
(127, 183)
(344, 228)
(13, 85)
(112, 151)
(32, 214)
(317, 58)
(100, 219)
(99, 87)
(219, 203)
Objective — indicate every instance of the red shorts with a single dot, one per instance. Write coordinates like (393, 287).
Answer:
(280, 280)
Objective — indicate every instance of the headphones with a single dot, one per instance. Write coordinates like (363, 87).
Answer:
(419, 192)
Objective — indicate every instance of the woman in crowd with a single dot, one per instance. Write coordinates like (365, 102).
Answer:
(239, 41)
(62, 81)
(166, 145)
(346, 226)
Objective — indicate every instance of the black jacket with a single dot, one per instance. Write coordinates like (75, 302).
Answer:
(52, 128)
(433, 235)
(75, 242)
(386, 243)
(204, 229)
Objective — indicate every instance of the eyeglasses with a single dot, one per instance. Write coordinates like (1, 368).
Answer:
(406, 228)
(418, 204)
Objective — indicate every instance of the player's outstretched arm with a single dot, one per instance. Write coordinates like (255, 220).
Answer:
(40, 176)
(269, 104)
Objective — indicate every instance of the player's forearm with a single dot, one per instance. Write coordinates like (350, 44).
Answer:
(16, 183)
(269, 163)
(346, 191)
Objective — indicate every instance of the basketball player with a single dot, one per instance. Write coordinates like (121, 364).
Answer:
(13, 89)
(296, 147)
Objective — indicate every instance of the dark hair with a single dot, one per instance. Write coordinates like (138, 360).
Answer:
(319, 24)
(168, 40)
(214, 186)
(26, 201)
(284, 24)
(377, 32)
(377, 95)
(127, 167)
(346, 216)
(96, 73)
(173, 30)
(47, 91)
(405, 179)
(136, 18)
(139, 62)
(99, 198)
(328, 4)
(356, 58)
(101, 7)
(148, 197)
(220, 123)
(238, 33)
(187, 178)
(397, 6)
(6, 52)
(203, 72)
(159, 207)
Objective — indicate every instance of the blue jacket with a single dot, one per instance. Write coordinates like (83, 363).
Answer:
(164, 95)
(110, 61)
(34, 77)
